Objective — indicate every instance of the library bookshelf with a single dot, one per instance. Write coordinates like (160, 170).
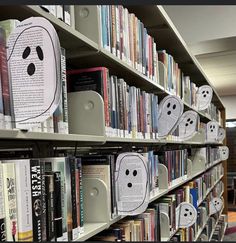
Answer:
(82, 41)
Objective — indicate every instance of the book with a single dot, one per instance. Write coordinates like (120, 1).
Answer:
(10, 201)
(67, 14)
(2, 207)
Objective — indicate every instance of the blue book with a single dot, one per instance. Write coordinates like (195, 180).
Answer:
(194, 193)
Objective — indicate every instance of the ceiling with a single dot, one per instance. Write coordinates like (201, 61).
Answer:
(210, 32)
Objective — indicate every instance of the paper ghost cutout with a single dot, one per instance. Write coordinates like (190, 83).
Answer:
(170, 110)
(132, 184)
(34, 60)
(212, 131)
(224, 152)
(204, 97)
(221, 134)
(186, 215)
(216, 205)
(188, 124)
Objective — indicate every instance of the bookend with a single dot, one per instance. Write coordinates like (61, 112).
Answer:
(165, 226)
(196, 165)
(163, 177)
(96, 206)
(199, 137)
(84, 108)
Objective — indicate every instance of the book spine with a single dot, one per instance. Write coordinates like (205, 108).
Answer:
(67, 14)
(113, 34)
(49, 186)
(2, 208)
(117, 21)
(59, 12)
(77, 175)
(5, 80)
(9, 183)
(64, 92)
(24, 203)
(57, 206)
(36, 184)
(79, 165)
(73, 199)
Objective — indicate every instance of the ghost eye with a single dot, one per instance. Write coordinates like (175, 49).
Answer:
(134, 172)
(168, 105)
(127, 172)
(39, 52)
(26, 52)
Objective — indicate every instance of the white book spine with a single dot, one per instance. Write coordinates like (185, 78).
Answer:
(2, 208)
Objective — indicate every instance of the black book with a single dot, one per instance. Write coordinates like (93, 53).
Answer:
(49, 186)
(57, 205)
(36, 184)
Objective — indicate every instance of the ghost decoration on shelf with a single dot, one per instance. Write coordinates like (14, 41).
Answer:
(34, 60)
(170, 110)
(187, 126)
(132, 184)
(186, 215)
(221, 134)
(216, 205)
(204, 97)
(224, 152)
(212, 131)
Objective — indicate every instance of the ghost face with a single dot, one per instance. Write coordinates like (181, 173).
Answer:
(204, 97)
(224, 152)
(131, 181)
(34, 61)
(212, 131)
(186, 215)
(170, 110)
(221, 134)
(216, 205)
(188, 124)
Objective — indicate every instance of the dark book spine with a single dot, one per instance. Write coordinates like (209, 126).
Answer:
(43, 199)
(73, 197)
(79, 166)
(57, 205)
(77, 194)
(49, 186)
(36, 184)
(2, 230)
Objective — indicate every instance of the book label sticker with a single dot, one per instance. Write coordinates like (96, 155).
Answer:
(131, 179)
(204, 97)
(216, 205)
(188, 125)
(221, 134)
(186, 215)
(170, 110)
(224, 152)
(34, 60)
(212, 131)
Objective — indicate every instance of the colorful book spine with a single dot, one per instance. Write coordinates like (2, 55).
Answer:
(10, 201)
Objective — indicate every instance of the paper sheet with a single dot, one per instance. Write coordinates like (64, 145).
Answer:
(34, 60)
(132, 184)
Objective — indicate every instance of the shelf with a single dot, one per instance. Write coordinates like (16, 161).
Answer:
(213, 230)
(226, 224)
(91, 229)
(202, 228)
(72, 40)
(208, 192)
(43, 136)
(184, 181)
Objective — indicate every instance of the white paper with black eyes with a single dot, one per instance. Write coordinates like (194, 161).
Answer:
(186, 215)
(34, 60)
(132, 184)
(170, 110)
(224, 152)
(216, 205)
(188, 125)
(212, 131)
(204, 97)
(221, 134)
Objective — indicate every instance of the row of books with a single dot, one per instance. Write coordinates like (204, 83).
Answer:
(125, 36)
(129, 111)
(58, 123)
(41, 199)
(147, 226)
(220, 229)
(62, 12)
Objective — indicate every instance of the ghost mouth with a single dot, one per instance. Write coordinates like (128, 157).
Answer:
(31, 69)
